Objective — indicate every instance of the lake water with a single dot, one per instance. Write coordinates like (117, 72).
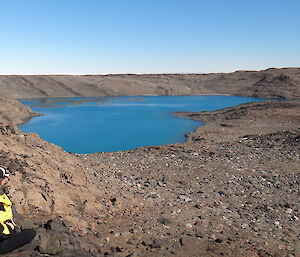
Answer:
(107, 124)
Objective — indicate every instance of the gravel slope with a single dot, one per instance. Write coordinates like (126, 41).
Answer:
(232, 189)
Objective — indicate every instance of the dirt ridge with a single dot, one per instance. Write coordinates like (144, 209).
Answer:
(270, 83)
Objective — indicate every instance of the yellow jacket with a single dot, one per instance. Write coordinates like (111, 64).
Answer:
(5, 215)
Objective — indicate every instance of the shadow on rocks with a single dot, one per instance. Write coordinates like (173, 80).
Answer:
(54, 238)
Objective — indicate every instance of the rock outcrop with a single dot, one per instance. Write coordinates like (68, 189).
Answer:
(274, 86)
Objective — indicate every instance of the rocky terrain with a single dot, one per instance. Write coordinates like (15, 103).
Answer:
(232, 189)
(283, 83)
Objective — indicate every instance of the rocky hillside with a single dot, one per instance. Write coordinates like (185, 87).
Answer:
(213, 195)
(14, 111)
(231, 189)
(284, 83)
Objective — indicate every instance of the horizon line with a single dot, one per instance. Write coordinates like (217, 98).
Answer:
(130, 73)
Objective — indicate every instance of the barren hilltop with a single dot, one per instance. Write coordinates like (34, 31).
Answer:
(232, 189)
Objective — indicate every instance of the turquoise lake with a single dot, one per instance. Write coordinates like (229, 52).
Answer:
(107, 124)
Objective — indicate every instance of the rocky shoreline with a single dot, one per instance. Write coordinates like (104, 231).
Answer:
(231, 189)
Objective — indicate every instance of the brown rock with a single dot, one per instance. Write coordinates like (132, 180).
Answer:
(50, 245)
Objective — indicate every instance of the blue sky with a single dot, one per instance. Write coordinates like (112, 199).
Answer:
(147, 36)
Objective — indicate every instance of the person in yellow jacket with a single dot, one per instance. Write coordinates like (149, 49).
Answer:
(10, 239)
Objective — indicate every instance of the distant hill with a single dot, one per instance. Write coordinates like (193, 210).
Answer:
(281, 83)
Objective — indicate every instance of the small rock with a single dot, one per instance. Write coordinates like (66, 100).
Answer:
(245, 225)
(198, 235)
(185, 198)
(159, 183)
(134, 254)
(50, 245)
(189, 225)
(181, 241)
(164, 221)
(113, 200)
(56, 226)
(218, 240)
(213, 237)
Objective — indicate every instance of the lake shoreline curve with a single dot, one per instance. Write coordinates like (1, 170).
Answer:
(231, 189)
